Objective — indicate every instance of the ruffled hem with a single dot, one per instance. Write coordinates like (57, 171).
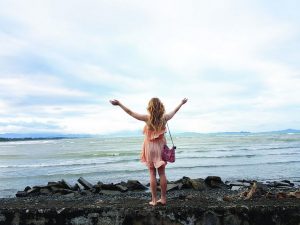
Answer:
(155, 164)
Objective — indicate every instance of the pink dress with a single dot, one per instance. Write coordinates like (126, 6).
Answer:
(153, 144)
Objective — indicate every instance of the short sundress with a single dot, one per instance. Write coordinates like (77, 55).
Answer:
(153, 144)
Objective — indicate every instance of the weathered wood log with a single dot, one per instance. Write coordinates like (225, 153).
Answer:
(294, 194)
(257, 189)
(281, 195)
(85, 183)
(251, 192)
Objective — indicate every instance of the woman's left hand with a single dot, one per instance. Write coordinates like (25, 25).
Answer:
(184, 101)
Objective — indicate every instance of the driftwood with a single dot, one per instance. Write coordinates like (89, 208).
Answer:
(259, 190)
(252, 191)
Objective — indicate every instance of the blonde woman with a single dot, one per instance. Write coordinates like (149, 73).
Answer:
(154, 141)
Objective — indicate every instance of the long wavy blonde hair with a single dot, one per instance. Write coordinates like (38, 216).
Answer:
(156, 110)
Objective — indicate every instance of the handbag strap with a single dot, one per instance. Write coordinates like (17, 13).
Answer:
(170, 134)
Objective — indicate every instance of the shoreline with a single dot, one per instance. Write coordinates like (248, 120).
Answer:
(266, 181)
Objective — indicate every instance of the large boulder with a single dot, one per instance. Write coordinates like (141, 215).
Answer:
(214, 182)
(135, 185)
(188, 183)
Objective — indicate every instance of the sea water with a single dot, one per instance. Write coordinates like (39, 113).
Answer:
(115, 159)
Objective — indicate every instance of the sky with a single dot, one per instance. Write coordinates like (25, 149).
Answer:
(237, 61)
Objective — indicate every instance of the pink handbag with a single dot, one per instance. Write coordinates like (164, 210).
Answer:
(167, 153)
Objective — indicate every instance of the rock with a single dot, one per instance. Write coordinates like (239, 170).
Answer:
(27, 188)
(135, 185)
(70, 195)
(21, 194)
(99, 183)
(40, 186)
(53, 183)
(247, 181)
(63, 191)
(57, 194)
(227, 198)
(121, 188)
(172, 187)
(60, 210)
(97, 187)
(2, 218)
(198, 184)
(288, 182)
(33, 190)
(44, 191)
(210, 218)
(113, 187)
(55, 188)
(185, 181)
(237, 186)
(232, 220)
(188, 183)
(75, 187)
(214, 181)
(87, 185)
(65, 184)
(85, 192)
(277, 184)
(110, 186)
(109, 192)
(262, 187)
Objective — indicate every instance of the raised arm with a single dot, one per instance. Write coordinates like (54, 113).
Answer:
(128, 111)
(172, 113)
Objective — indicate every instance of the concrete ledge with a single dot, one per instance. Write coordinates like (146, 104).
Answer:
(137, 212)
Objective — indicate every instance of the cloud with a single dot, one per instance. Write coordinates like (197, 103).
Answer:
(62, 61)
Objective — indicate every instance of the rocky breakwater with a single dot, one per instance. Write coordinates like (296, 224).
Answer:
(82, 188)
(199, 201)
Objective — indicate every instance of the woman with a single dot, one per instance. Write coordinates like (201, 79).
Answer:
(154, 141)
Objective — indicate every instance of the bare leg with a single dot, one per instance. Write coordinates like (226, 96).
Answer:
(163, 185)
(152, 172)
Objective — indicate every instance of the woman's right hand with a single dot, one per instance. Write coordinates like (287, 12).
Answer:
(114, 102)
(184, 101)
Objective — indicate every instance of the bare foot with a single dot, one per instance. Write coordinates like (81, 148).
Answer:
(160, 201)
(152, 203)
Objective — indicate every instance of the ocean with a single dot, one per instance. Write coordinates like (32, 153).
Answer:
(263, 157)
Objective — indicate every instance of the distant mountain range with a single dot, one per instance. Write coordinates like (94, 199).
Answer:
(125, 134)
(286, 131)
